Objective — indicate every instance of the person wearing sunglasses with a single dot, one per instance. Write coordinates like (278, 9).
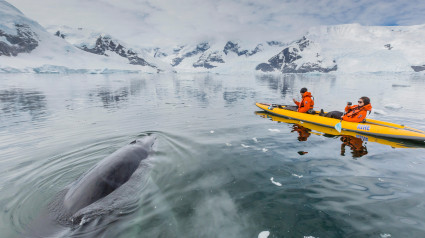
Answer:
(353, 113)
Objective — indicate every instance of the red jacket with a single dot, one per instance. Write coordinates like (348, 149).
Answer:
(306, 103)
(356, 113)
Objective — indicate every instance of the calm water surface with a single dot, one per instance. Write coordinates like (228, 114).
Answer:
(219, 169)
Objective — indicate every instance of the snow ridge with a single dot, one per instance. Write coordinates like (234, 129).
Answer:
(303, 56)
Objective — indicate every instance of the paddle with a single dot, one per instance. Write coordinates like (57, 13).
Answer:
(338, 126)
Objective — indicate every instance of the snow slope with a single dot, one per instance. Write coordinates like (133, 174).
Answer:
(355, 48)
(372, 48)
(51, 53)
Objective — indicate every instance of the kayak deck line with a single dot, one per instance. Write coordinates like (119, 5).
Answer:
(370, 127)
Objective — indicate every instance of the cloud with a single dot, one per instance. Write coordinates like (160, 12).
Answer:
(167, 22)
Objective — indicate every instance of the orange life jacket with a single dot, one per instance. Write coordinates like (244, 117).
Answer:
(356, 113)
(306, 103)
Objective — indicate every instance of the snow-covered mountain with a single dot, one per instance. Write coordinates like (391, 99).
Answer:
(303, 56)
(17, 33)
(353, 48)
(25, 46)
(105, 45)
(218, 56)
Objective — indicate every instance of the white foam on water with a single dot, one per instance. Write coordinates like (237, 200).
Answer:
(275, 183)
(265, 150)
(255, 139)
(298, 176)
(228, 144)
(379, 112)
(212, 132)
(393, 106)
(385, 235)
(83, 221)
(245, 146)
(264, 234)
(274, 130)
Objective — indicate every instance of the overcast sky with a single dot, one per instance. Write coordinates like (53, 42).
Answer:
(165, 22)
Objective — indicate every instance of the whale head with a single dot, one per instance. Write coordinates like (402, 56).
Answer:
(147, 142)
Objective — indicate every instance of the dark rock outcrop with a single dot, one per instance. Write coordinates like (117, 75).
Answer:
(24, 41)
(418, 68)
(105, 43)
(287, 60)
(206, 59)
(275, 43)
(307, 68)
(388, 46)
(235, 48)
(265, 67)
(158, 53)
(200, 48)
(59, 34)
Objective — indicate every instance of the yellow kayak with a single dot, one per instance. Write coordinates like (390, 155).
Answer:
(321, 130)
(370, 127)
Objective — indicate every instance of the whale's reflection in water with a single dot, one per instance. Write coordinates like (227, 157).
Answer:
(355, 141)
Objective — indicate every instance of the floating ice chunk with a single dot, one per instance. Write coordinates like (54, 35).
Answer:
(255, 139)
(265, 150)
(274, 130)
(393, 106)
(379, 112)
(401, 85)
(245, 146)
(298, 176)
(264, 234)
(275, 183)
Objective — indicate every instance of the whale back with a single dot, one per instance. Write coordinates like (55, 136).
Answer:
(108, 175)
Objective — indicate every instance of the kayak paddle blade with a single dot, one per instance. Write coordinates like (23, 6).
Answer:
(338, 127)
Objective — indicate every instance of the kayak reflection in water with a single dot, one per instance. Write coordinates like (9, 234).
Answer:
(303, 133)
(355, 144)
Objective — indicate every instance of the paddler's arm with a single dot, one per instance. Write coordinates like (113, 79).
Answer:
(296, 102)
(349, 108)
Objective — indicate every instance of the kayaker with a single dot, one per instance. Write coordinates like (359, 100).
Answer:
(355, 113)
(306, 104)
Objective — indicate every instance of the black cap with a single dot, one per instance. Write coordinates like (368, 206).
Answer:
(303, 90)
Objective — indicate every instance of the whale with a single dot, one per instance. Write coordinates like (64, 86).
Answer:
(109, 175)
